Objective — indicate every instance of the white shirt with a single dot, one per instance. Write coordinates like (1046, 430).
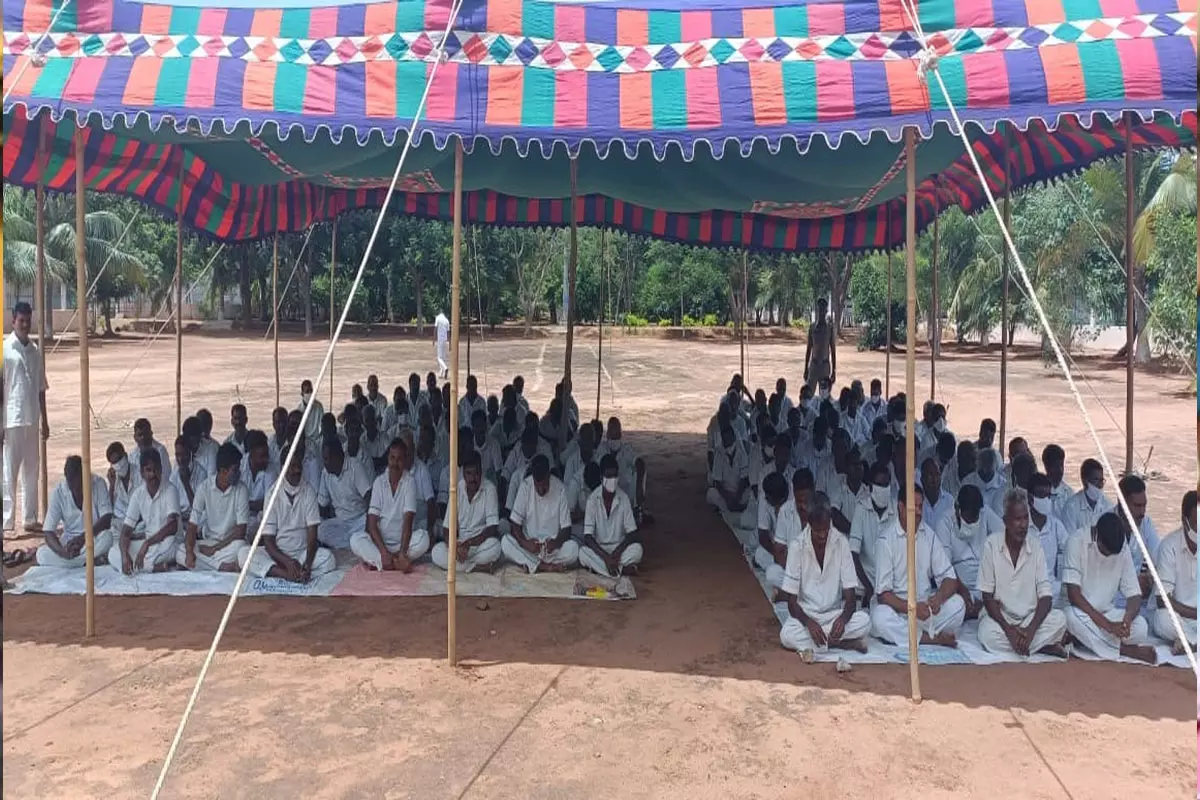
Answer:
(443, 487)
(391, 506)
(731, 468)
(24, 380)
(393, 421)
(626, 457)
(312, 427)
(374, 448)
(865, 530)
(424, 481)
(198, 477)
(610, 527)
(891, 562)
(788, 525)
(442, 326)
(819, 588)
(1061, 495)
(257, 485)
(346, 490)
(541, 517)
(1017, 588)
(467, 407)
(1053, 537)
(1079, 515)
(379, 403)
(489, 457)
(232, 439)
(1150, 536)
(120, 496)
(153, 511)
(218, 512)
(475, 515)
(966, 541)
(275, 449)
(1098, 576)
(935, 514)
(135, 463)
(294, 512)
(206, 456)
(1177, 568)
(846, 500)
(992, 491)
(62, 509)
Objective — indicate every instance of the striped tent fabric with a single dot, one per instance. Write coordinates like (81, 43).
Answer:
(681, 86)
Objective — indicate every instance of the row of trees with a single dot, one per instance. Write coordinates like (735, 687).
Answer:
(1070, 234)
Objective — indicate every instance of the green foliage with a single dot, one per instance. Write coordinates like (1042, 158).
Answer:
(634, 321)
(1172, 268)
(868, 288)
(710, 321)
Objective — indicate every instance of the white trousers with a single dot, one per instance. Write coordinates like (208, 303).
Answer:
(746, 518)
(487, 552)
(992, 638)
(1100, 642)
(795, 636)
(892, 627)
(48, 558)
(591, 559)
(766, 562)
(1166, 629)
(20, 468)
(229, 554)
(323, 562)
(442, 350)
(159, 555)
(565, 556)
(336, 532)
(364, 547)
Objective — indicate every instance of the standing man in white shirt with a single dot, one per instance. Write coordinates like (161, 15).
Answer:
(1095, 573)
(478, 540)
(154, 508)
(1177, 569)
(66, 549)
(610, 542)
(540, 532)
(216, 532)
(1020, 617)
(442, 328)
(24, 418)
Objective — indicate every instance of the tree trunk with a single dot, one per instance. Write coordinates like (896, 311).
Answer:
(391, 311)
(529, 306)
(107, 308)
(420, 292)
(244, 288)
(1012, 331)
(306, 295)
(265, 300)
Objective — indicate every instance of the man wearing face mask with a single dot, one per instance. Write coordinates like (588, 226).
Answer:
(312, 426)
(820, 354)
(729, 490)
(1177, 569)
(988, 479)
(154, 509)
(874, 407)
(120, 479)
(611, 546)
(631, 466)
(1051, 533)
(1096, 572)
(965, 532)
(868, 524)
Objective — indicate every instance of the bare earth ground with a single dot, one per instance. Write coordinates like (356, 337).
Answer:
(683, 693)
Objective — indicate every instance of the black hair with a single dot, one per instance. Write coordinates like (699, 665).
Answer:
(1131, 485)
(803, 479)
(775, 488)
(539, 467)
(1109, 532)
(228, 456)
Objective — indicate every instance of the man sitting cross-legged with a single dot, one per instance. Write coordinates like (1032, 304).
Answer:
(343, 498)
(1177, 569)
(289, 533)
(220, 513)
(1019, 614)
(819, 583)
(153, 510)
(610, 538)
(1095, 571)
(66, 549)
(478, 512)
(540, 536)
(940, 610)
(729, 489)
(395, 536)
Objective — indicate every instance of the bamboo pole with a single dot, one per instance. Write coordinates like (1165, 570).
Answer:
(935, 319)
(275, 309)
(85, 424)
(600, 325)
(452, 502)
(1130, 317)
(39, 290)
(887, 353)
(571, 266)
(742, 321)
(910, 388)
(332, 303)
(1004, 311)
(179, 297)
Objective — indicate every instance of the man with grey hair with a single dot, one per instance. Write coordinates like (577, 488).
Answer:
(1017, 594)
(819, 583)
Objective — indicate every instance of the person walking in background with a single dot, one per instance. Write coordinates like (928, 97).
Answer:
(442, 326)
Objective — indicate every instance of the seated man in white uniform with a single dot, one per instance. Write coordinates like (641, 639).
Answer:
(239, 423)
(277, 439)
(67, 549)
(579, 493)
(632, 466)
(506, 432)
(938, 504)
(992, 484)
(729, 490)
(488, 448)
(289, 539)
(611, 546)
(1053, 463)
(1082, 509)
(199, 430)
(427, 498)
(312, 426)
(848, 492)
(540, 532)
(258, 476)
(374, 441)
(343, 498)
(1133, 489)
(870, 520)
(517, 467)
(1020, 617)
(819, 583)
(187, 478)
(1177, 569)
(966, 459)
(582, 454)
(471, 402)
(151, 526)
(478, 514)
(987, 440)
(964, 533)
(940, 610)
(143, 439)
(1051, 533)
(1096, 572)
(120, 480)
(776, 496)
(216, 532)
(395, 535)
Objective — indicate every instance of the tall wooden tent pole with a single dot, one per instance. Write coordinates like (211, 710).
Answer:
(745, 315)
(571, 268)
(179, 296)
(887, 352)
(935, 318)
(1004, 310)
(742, 323)
(452, 501)
(39, 283)
(275, 308)
(600, 325)
(910, 389)
(1130, 315)
(332, 302)
(85, 404)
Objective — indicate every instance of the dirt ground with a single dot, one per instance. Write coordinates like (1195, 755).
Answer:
(683, 693)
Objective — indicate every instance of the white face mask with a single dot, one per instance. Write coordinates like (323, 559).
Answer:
(881, 495)
(122, 467)
(939, 425)
(306, 397)
(968, 530)
(610, 485)
(1042, 505)
(876, 399)
(1092, 493)
(898, 428)
(1189, 534)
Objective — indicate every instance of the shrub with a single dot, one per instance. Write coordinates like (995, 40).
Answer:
(799, 324)
(690, 322)
(664, 323)
(710, 321)
(634, 321)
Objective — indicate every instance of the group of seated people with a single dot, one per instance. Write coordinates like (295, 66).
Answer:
(545, 493)
(822, 482)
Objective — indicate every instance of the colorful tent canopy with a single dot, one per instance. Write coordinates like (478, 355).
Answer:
(734, 123)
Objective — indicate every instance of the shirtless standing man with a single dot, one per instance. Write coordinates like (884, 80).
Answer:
(820, 356)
